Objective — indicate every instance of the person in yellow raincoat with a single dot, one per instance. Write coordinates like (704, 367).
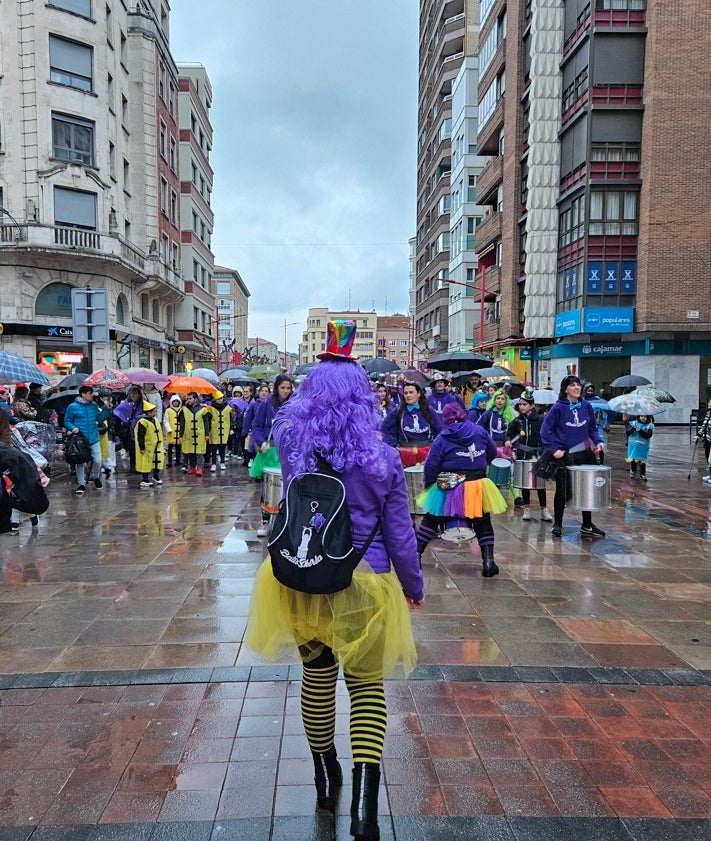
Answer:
(170, 425)
(221, 418)
(148, 437)
(194, 430)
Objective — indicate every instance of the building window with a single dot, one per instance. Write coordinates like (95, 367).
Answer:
(163, 141)
(126, 177)
(144, 306)
(173, 155)
(72, 139)
(79, 7)
(164, 243)
(615, 152)
(112, 160)
(613, 213)
(156, 311)
(74, 208)
(124, 50)
(173, 207)
(121, 309)
(109, 27)
(176, 258)
(124, 113)
(70, 63)
(171, 99)
(161, 82)
(572, 222)
(623, 5)
(164, 196)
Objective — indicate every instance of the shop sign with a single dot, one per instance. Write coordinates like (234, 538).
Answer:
(567, 323)
(525, 353)
(608, 320)
(59, 331)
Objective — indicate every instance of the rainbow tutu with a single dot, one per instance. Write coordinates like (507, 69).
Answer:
(470, 499)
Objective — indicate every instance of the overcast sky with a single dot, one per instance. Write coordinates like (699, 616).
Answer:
(314, 152)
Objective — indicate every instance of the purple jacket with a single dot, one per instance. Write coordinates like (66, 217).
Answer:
(437, 402)
(368, 499)
(459, 447)
(564, 428)
(493, 422)
(413, 428)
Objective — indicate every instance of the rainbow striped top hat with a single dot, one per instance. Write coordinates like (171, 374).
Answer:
(341, 335)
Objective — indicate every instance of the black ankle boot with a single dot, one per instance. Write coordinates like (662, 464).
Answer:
(364, 806)
(328, 778)
(488, 564)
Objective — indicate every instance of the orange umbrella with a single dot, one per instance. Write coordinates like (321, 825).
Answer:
(182, 385)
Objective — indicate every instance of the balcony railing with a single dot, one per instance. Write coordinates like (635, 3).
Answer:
(96, 244)
(488, 231)
(489, 179)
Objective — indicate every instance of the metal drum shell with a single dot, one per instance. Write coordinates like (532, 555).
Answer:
(272, 489)
(523, 476)
(500, 472)
(414, 478)
(591, 486)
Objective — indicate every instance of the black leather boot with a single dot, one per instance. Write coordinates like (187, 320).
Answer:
(328, 778)
(488, 564)
(364, 806)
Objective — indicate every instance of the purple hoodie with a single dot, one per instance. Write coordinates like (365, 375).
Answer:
(370, 498)
(565, 428)
(459, 447)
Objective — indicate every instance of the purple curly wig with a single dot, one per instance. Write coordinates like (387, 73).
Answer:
(334, 412)
(453, 413)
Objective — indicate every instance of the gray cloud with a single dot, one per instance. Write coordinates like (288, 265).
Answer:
(314, 114)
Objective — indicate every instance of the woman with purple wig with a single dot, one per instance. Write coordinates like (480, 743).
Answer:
(365, 627)
(456, 484)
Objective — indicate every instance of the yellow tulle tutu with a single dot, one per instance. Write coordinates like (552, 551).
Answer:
(470, 499)
(367, 625)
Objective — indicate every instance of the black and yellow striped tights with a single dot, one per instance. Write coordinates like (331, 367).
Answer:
(318, 709)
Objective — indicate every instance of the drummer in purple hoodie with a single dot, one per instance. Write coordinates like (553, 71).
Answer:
(569, 432)
(457, 486)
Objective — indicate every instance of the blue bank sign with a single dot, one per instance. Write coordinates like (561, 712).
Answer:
(595, 320)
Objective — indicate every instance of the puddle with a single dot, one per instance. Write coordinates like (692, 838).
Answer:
(233, 543)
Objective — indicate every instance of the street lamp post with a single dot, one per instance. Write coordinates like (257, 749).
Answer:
(217, 331)
(286, 367)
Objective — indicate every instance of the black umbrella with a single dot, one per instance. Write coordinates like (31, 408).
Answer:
(72, 381)
(58, 402)
(458, 360)
(304, 368)
(495, 372)
(629, 381)
(379, 366)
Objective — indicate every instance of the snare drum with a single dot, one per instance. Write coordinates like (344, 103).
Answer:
(523, 476)
(414, 477)
(457, 531)
(272, 487)
(500, 472)
(412, 456)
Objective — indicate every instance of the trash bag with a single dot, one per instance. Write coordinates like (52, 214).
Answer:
(77, 449)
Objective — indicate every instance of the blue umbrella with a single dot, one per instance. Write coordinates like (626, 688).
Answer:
(598, 403)
(17, 369)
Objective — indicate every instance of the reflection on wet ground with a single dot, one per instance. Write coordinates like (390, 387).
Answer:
(156, 584)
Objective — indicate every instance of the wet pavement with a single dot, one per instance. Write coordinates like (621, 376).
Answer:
(568, 697)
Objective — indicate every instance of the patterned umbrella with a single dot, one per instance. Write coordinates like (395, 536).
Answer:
(108, 378)
(146, 375)
(17, 369)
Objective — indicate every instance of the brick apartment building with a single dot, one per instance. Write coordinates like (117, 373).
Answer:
(595, 248)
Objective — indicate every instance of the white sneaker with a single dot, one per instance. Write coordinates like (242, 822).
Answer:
(223, 466)
(157, 481)
(263, 530)
(526, 514)
(213, 468)
(546, 515)
(707, 479)
(146, 484)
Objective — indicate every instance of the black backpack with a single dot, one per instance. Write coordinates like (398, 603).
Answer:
(311, 548)
(77, 449)
(19, 475)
